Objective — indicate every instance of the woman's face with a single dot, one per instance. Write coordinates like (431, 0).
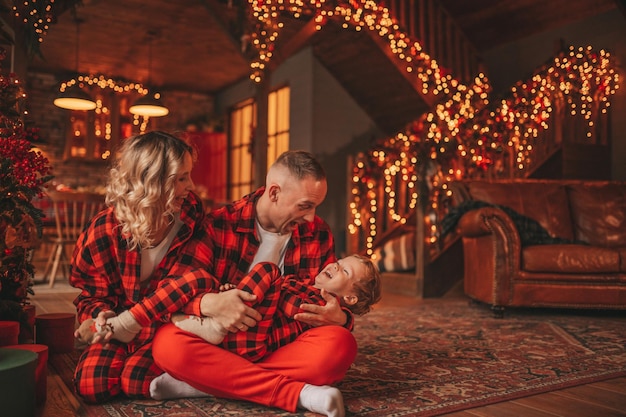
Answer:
(183, 183)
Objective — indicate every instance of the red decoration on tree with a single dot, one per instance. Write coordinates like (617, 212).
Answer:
(23, 173)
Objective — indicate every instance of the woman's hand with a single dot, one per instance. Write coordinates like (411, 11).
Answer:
(316, 315)
(229, 310)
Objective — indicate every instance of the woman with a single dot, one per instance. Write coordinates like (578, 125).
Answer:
(124, 253)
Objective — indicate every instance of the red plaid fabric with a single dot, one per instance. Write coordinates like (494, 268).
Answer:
(225, 247)
(172, 295)
(278, 299)
(107, 273)
(222, 251)
(104, 372)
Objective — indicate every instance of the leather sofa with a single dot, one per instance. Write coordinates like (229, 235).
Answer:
(583, 267)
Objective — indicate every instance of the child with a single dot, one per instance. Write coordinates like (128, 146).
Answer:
(354, 280)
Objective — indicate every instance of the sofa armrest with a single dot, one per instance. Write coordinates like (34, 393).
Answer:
(492, 254)
(489, 220)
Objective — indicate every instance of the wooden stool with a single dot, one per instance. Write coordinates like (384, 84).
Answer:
(9, 332)
(41, 370)
(17, 379)
(56, 330)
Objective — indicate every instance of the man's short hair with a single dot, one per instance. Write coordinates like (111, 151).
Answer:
(301, 164)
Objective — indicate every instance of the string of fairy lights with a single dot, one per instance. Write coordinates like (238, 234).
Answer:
(34, 14)
(118, 86)
(464, 139)
(354, 15)
(464, 136)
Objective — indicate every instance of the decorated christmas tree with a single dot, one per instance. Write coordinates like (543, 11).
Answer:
(23, 173)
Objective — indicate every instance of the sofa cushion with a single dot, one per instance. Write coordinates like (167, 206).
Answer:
(542, 201)
(599, 213)
(573, 259)
(622, 257)
(397, 254)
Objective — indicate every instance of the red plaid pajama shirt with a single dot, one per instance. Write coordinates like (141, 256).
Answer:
(278, 300)
(222, 251)
(226, 247)
(108, 274)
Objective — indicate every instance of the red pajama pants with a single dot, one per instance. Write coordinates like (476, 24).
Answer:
(319, 356)
(103, 372)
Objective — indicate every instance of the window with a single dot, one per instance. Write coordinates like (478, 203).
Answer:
(241, 169)
(277, 124)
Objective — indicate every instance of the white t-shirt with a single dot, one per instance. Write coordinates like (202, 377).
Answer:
(152, 257)
(272, 248)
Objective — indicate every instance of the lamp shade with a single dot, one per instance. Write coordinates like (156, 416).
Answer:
(74, 98)
(149, 106)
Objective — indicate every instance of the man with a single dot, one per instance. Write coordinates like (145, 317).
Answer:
(277, 223)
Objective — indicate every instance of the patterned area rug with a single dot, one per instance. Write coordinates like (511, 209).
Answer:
(438, 358)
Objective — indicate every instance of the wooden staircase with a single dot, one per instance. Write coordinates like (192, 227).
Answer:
(565, 150)
(427, 22)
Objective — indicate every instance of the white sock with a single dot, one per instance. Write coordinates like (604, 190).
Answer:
(165, 387)
(124, 327)
(205, 327)
(324, 400)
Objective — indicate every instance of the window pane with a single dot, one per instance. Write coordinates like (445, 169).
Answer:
(272, 108)
(241, 169)
(278, 124)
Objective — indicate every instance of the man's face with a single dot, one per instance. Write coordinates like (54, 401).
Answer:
(296, 202)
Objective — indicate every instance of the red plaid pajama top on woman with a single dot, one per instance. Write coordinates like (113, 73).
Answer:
(108, 274)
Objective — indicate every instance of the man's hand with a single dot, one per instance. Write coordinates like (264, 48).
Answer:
(229, 310)
(316, 315)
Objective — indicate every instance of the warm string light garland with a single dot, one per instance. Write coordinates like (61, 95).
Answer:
(120, 87)
(34, 14)
(355, 15)
(104, 82)
(463, 138)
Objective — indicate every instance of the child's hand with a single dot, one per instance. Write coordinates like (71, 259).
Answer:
(226, 287)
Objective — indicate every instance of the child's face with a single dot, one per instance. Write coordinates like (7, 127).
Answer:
(338, 277)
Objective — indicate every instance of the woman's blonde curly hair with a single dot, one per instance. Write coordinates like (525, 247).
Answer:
(141, 186)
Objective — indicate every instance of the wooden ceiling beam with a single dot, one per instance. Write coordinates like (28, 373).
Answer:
(302, 38)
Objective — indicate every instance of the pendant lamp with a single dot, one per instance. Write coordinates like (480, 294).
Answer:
(74, 97)
(149, 105)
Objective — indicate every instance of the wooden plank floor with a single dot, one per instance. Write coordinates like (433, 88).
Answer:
(600, 399)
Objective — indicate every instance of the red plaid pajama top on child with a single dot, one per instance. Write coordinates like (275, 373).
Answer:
(278, 299)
